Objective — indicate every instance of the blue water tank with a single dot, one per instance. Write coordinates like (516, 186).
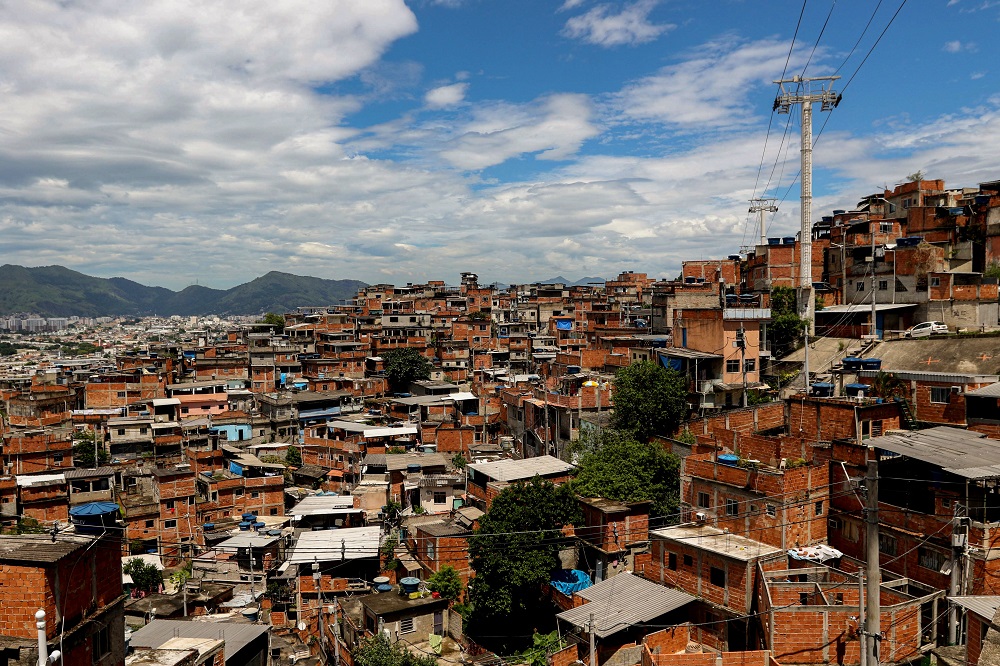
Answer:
(774, 241)
(409, 584)
(94, 517)
(413, 468)
(384, 587)
(871, 364)
(788, 240)
(852, 363)
(729, 459)
(822, 389)
(854, 389)
(245, 525)
(259, 526)
(209, 526)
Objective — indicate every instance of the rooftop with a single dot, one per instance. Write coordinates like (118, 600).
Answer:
(236, 635)
(961, 452)
(351, 543)
(706, 537)
(623, 601)
(515, 470)
(40, 548)
(386, 603)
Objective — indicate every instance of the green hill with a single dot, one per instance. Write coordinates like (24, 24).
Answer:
(58, 291)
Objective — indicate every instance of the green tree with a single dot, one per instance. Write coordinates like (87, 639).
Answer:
(274, 319)
(459, 461)
(786, 326)
(293, 456)
(886, 385)
(446, 582)
(625, 469)
(648, 400)
(84, 444)
(542, 646)
(513, 552)
(380, 651)
(145, 577)
(405, 365)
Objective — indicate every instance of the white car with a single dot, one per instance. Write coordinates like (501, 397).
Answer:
(926, 329)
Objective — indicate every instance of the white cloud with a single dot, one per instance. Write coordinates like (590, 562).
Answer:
(570, 4)
(957, 46)
(603, 27)
(553, 129)
(710, 89)
(445, 96)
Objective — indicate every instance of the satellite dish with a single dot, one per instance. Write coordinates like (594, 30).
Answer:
(302, 626)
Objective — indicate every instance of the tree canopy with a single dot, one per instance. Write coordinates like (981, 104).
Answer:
(649, 400)
(84, 444)
(786, 326)
(293, 456)
(274, 319)
(380, 651)
(446, 582)
(515, 550)
(145, 577)
(622, 468)
(405, 365)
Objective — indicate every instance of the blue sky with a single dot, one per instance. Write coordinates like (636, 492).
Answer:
(174, 142)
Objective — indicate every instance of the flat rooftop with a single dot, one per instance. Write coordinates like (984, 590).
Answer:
(712, 539)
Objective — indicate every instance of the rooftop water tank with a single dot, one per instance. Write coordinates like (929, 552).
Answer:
(729, 459)
(852, 363)
(774, 241)
(788, 240)
(413, 468)
(822, 389)
(854, 389)
(94, 517)
(245, 525)
(409, 585)
(871, 364)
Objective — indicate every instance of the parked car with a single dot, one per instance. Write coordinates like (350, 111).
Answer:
(925, 329)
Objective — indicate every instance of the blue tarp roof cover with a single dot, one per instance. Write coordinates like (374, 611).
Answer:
(93, 509)
(569, 581)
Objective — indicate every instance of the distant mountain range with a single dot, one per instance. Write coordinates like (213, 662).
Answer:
(56, 291)
(582, 282)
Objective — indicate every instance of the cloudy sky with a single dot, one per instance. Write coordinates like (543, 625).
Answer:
(181, 141)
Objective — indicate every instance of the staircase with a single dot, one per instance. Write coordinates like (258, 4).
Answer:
(907, 413)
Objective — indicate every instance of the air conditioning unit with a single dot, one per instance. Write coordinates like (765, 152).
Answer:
(700, 517)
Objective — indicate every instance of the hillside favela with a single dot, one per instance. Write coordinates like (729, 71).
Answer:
(284, 379)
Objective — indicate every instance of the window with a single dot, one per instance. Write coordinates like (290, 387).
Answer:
(121, 431)
(170, 505)
(394, 319)
(717, 577)
(750, 364)
(931, 559)
(703, 500)
(935, 282)
(883, 285)
(688, 561)
(819, 508)
(406, 625)
(101, 644)
(440, 497)
(733, 365)
(57, 459)
(859, 285)
(885, 227)
(169, 524)
(732, 507)
(121, 394)
(238, 492)
(851, 531)
(185, 410)
(771, 510)
(886, 544)
(273, 512)
(940, 394)
(255, 494)
(672, 561)
(149, 523)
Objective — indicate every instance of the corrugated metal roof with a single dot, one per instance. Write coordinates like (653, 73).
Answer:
(961, 452)
(390, 432)
(318, 505)
(991, 391)
(943, 377)
(89, 473)
(352, 543)
(623, 601)
(236, 635)
(984, 606)
(246, 541)
(514, 470)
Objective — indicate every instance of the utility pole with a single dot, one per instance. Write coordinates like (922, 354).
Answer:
(806, 91)
(336, 635)
(761, 206)
(959, 541)
(873, 628)
(861, 618)
(741, 340)
(871, 228)
(593, 653)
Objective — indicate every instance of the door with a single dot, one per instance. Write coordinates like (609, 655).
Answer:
(439, 622)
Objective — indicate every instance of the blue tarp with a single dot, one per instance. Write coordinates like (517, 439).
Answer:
(564, 324)
(93, 509)
(569, 581)
(318, 413)
(671, 363)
